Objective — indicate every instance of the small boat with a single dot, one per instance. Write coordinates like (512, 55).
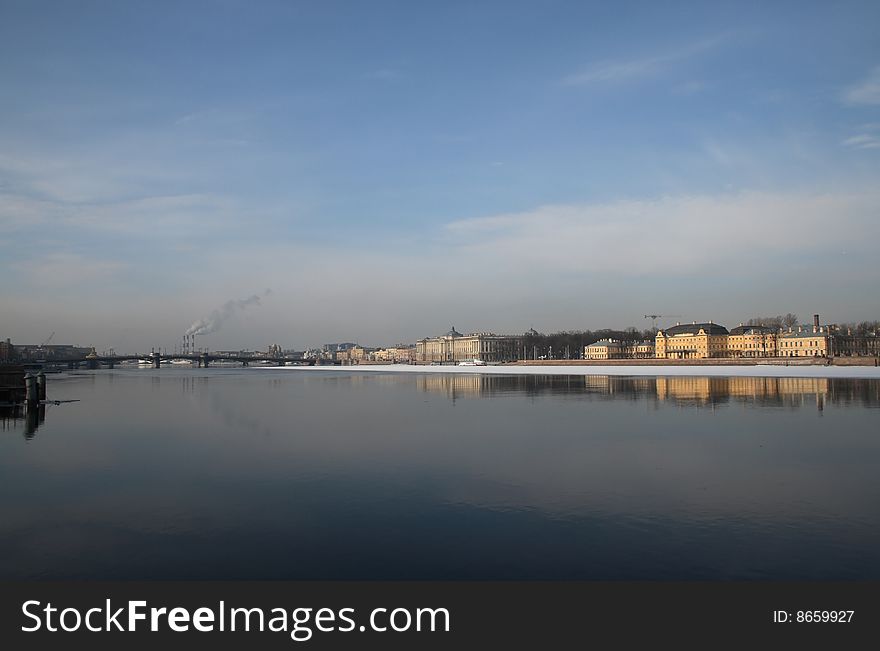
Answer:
(472, 362)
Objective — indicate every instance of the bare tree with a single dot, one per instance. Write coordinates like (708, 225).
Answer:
(766, 321)
(790, 320)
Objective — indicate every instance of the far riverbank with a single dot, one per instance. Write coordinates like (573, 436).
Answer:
(579, 367)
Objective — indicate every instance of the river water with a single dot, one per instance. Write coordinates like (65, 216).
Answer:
(340, 474)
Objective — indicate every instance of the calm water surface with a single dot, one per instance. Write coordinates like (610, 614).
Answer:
(295, 474)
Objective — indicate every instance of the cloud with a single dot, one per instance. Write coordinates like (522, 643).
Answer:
(61, 270)
(556, 266)
(610, 71)
(863, 141)
(145, 217)
(614, 71)
(866, 91)
(680, 235)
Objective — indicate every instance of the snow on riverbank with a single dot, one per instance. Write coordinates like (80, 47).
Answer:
(703, 371)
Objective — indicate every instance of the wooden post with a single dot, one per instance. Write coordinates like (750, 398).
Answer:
(31, 392)
(41, 385)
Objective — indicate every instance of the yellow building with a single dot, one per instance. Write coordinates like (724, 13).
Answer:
(613, 349)
(456, 347)
(394, 354)
(691, 341)
(752, 341)
(805, 342)
(604, 349)
(640, 349)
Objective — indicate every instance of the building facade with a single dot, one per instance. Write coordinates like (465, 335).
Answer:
(691, 341)
(752, 341)
(613, 349)
(457, 347)
(805, 342)
(850, 345)
(395, 354)
(604, 349)
(7, 352)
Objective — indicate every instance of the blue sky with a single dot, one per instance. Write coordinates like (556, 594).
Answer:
(391, 169)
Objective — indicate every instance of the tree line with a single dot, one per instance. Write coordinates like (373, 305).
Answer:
(570, 344)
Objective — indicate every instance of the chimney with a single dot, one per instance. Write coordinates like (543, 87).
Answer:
(815, 323)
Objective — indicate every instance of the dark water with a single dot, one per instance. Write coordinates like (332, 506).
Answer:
(335, 474)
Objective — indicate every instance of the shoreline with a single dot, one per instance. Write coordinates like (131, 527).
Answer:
(714, 370)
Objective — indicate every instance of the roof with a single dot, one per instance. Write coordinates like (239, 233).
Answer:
(604, 342)
(453, 333)
(694, 328)
(752, 330)
(806, 332)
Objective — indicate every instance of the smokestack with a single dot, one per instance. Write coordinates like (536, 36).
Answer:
(815, 323)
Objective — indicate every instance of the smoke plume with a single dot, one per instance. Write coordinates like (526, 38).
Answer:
(214, 321)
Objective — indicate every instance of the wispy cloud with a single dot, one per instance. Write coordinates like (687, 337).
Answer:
(145, 217)
(610, 71)
(65, 270)
(863, 141)
(867, 137)
(866, 91)
(621, 237)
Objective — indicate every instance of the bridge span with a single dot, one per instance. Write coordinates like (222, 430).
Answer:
(157, 360)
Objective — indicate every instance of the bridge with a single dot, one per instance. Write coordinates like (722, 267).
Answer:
(157, 360)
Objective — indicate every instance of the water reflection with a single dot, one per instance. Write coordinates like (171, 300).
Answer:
(30, 418)
(691, 390)
(231, 473)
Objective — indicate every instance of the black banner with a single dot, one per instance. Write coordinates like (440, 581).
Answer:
(330, 615)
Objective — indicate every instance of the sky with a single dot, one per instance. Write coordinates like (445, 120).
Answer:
(379, 172)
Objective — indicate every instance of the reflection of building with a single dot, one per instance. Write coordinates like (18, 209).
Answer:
(693, 341)
(719, 389)
(453, 385)
(700, 391)
(689, 387)
(613, 349)
(456, 347)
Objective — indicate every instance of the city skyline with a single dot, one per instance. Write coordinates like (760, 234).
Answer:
(390, 170)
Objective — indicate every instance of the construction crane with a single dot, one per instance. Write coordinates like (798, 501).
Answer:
(46, 343)
(654, 318)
